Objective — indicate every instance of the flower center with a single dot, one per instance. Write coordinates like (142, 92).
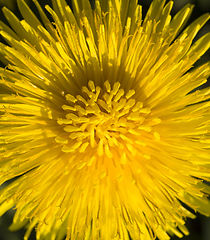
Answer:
(104, 118)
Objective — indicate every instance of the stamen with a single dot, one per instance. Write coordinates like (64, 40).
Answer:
(72, 128)
(137, 106)
(80, 110)
(61, 140)
(116, 87)
(120, 93)
(80, 98)
(70, 98)
(108, 86)
(91, 86)
(83, 147)
(130, 93)
(102, 120)
(107, 151)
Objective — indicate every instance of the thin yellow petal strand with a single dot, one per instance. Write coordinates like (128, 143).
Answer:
(104, 127)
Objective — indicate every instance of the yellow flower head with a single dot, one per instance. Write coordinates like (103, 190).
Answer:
(100, 122)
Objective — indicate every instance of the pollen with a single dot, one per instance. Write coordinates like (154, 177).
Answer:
(103, 118)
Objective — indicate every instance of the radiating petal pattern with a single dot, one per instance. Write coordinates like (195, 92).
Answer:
(102, 126)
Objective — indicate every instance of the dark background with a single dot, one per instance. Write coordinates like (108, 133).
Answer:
(199, 227)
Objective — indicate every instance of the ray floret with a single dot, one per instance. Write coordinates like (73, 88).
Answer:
(104, 124)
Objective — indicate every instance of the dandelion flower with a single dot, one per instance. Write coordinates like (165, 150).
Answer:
(102, 129)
